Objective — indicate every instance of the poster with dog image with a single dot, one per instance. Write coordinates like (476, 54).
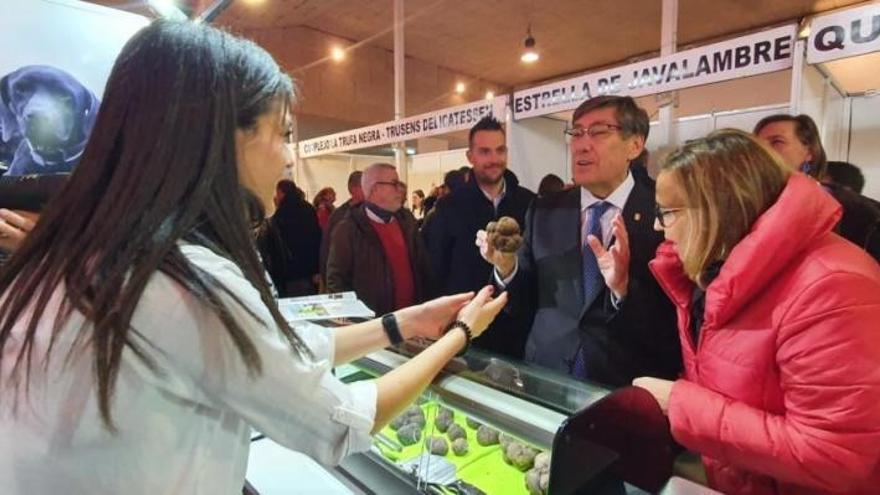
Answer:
(50, 91)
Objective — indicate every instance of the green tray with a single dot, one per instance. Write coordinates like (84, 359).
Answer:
(475, 450)
(492, 475)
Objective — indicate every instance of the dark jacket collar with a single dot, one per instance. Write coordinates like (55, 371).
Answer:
(471, 188)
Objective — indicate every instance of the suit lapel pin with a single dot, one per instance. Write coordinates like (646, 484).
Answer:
(637, 216)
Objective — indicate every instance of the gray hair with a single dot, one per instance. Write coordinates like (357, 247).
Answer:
(371, 176)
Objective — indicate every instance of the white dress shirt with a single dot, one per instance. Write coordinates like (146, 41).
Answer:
(616, 199)
(184, 428)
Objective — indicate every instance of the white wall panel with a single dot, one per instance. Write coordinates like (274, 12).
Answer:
(864, 143)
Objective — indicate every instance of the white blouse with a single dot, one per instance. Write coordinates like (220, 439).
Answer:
(184, 428)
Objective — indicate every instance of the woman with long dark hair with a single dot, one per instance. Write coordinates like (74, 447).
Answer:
(139, 341)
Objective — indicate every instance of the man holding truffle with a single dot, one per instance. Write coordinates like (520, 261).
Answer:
(490, 193)
(599, 315)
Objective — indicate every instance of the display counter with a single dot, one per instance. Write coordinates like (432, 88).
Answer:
(502, 428)
(491, 403)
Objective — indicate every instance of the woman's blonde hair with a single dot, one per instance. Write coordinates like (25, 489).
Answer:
(728, 179)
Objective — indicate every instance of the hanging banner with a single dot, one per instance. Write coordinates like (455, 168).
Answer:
(429, 124)
(759, 53)
(844, 34)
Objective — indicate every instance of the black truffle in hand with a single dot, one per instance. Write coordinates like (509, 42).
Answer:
(504, 235)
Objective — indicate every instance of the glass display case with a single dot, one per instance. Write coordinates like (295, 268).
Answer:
(493, 425)
(486, 425)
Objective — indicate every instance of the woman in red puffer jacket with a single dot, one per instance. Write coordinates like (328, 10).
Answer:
(779, 320)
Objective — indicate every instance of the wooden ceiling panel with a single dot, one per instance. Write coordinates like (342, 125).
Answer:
(485, 38)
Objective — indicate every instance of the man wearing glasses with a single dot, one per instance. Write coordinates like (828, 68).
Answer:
(599, 314)
(375, 249)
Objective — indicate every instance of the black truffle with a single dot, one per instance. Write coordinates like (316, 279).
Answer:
(437, 445)
(460, 446)
(455, 431)
(444, 419)
(486, 435)
(409, 434)
(472, 423)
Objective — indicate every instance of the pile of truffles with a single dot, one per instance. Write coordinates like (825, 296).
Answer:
(504, 235)
(538, 478)
(534, 463)
(409, 425)
(519, 455)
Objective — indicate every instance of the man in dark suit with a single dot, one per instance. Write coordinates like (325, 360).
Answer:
(583, 268)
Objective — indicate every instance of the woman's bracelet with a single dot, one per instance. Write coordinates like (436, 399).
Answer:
(467, 333)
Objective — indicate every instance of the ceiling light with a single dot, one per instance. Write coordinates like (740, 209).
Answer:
(337, 54)
(530, 55)
(490, 95)
(460, 87)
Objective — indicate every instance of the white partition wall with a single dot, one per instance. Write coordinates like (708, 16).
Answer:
(536, 147)
(821, 100)
(426, 170)
(864, 141)
(319, 172)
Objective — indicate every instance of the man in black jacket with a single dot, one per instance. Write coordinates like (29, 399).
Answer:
(490, 192)
(297, 224)
(583, 267)
(357, 197)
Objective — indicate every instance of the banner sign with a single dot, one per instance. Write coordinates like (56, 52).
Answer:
(759, 53)
(844, 34)
(429, 124)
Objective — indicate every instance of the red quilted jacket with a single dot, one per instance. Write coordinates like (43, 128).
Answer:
(782, 393)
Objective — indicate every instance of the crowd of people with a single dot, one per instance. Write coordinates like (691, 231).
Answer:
(141, 340)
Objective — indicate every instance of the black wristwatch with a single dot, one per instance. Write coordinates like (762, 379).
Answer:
(389, 323)
(467, 333)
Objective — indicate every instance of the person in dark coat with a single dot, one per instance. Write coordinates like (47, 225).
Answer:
(297, 224)
(491, 192)
(356, 194)
(796, 139)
